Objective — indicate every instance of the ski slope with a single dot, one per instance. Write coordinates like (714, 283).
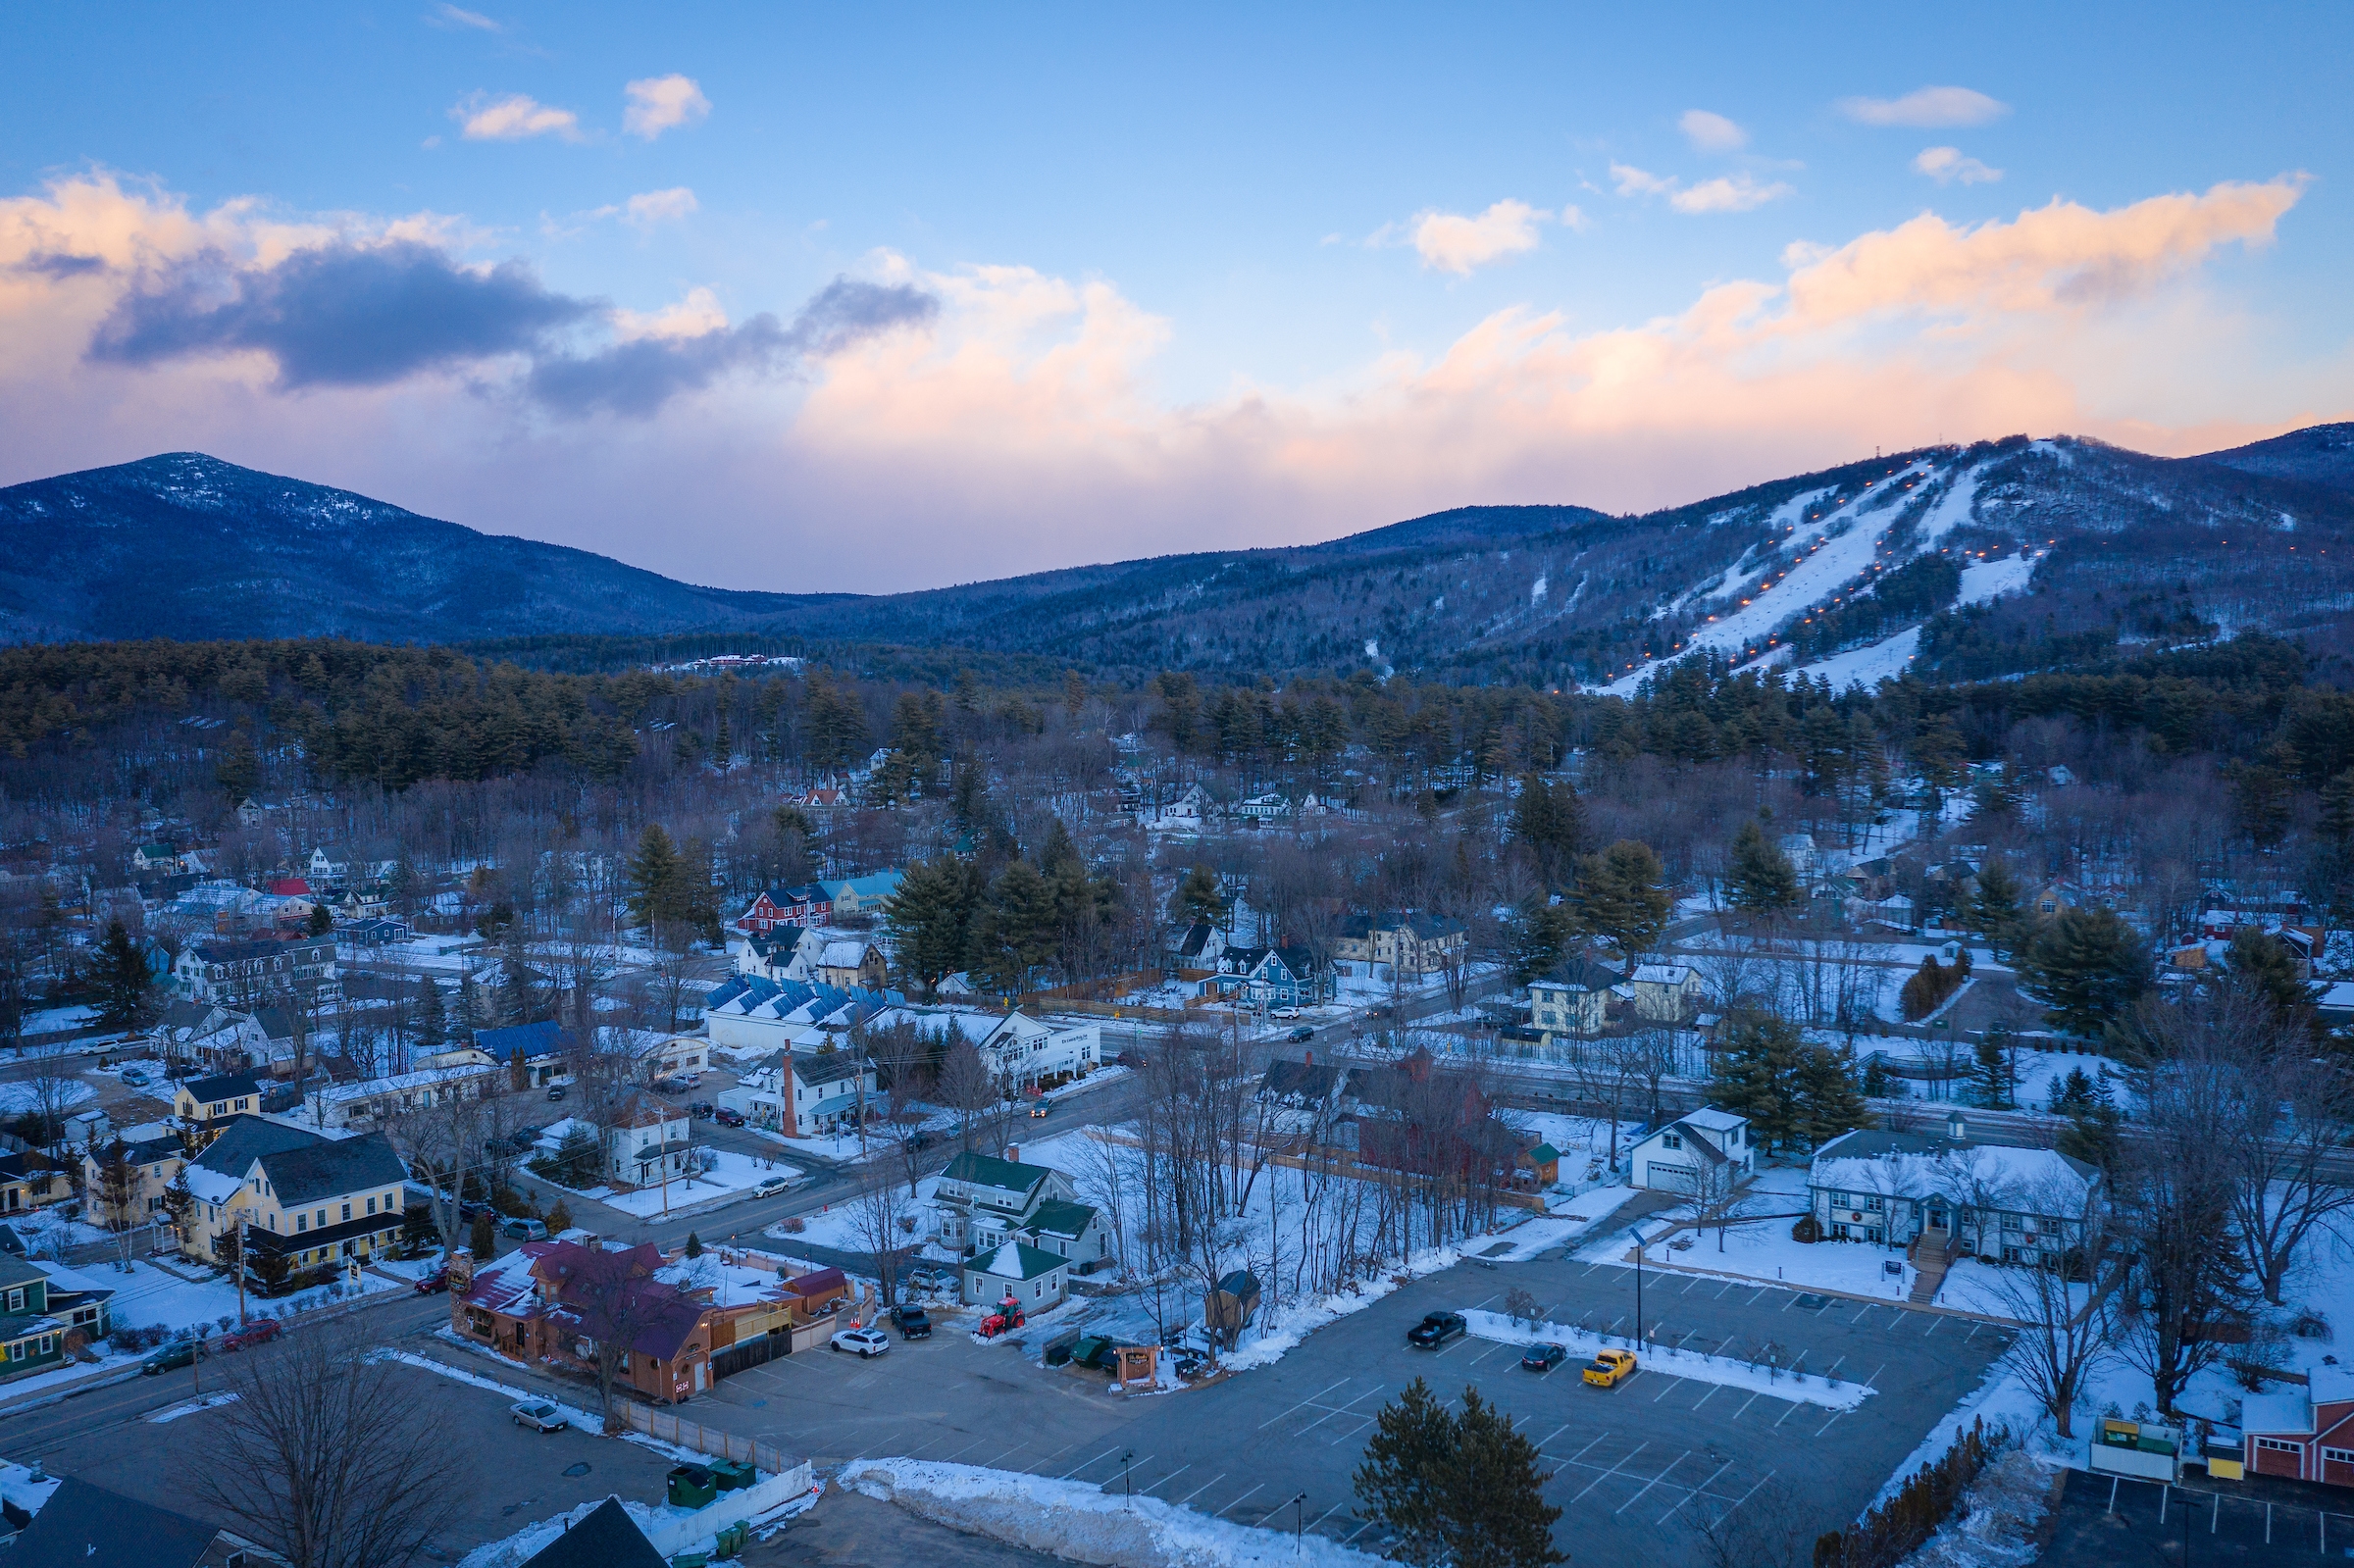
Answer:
(1826, 564)
(1987, 580)
(1866, 667)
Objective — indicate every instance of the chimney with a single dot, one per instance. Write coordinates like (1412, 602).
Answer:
(1013, 1153)
(1957, 1129)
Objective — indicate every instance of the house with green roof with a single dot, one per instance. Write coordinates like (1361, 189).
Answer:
(984, 1203)
(31, 1339)
(1036, 1279)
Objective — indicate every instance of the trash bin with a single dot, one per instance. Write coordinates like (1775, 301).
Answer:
(691, 1560)
(731, 1541)
(691, 1486)
(732, 1474)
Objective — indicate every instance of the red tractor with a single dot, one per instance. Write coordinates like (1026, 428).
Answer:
(1007, 1316)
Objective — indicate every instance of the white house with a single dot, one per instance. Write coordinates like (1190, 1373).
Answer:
(1690, 1153)
(1574, 999)
(1033, 1279)
(804, 1093)
(779, 953)
(1022, 1052)
(1666, 993)
(645, 1142)
(1998, 1205)
(983, 1204)
(849, 963)
(1181, 813)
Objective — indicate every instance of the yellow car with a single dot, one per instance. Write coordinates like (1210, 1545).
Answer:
(1608, 1368)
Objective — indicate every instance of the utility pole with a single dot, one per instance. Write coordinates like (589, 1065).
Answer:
(1636, 1232)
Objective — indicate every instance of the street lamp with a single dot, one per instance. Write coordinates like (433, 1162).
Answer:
(1125, 1479)
(1636, 1232)
(1298, 1524)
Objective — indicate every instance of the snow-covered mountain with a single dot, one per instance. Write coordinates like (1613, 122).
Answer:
(1956, 562)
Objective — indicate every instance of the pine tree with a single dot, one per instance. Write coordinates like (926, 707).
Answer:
(1618, 896)
(2337, 808)
(1828, 1101)
(931, 918)
(559, 1219)
(2086, 966)
(1018, 926)
(322, 920)
(1994, 908)
(694, 1246)
(1402, 1484)
(1552, 821)
(433, 1019)
(654, 875)
(1756, 1075)
(1764, 882)
(127, 992)
(469, 1015)
(484, 1237)
(1995, 1077)
(2261, 965)
(1199, 897)
(1496, 1513)
(1537, 939)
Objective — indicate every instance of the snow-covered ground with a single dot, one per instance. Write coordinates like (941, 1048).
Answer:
(57, 1020)
(19, 1096)
(1868, 666)
(731, 1174)
(1804, 1387)
(1083, 1522)
(841, 1226)
(1986, 580)
(149, 1297)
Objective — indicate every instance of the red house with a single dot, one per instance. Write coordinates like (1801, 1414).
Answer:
(806, 905)
(2305, 1434)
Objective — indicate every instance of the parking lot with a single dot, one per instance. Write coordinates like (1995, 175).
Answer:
(2105, 1520)
(1633, 1466)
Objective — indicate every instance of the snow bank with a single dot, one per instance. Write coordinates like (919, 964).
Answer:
(1799, 1389)
(1077, 1521)
(1299, 1319)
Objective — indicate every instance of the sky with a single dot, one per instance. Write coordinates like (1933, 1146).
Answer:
(802, 299)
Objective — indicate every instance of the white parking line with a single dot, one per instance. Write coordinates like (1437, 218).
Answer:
(1311, 1399)
(1109, 1453)
(1746, 1403)
(1581, 1453)
(1673, 1383)
(1874, 1382)
(1326, 1514)
(1614, 1470)
(1793, 1409)
(1555, 1432)
(1653, 1482)
(1695, 1492)
(1205, 1487)
(1222, 1513)
(1745, 1497)
(1706, 1397)
(1835, 1366)
(1172, 1476)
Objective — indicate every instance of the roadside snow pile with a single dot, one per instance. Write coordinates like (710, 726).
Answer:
(1996, 1525)
(1298, 1321)
(1079, 1522)
(1798, 1388)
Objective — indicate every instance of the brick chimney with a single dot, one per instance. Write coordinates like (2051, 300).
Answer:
(1013, 1153)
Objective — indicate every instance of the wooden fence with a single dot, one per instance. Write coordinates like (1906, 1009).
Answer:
(705, 1439)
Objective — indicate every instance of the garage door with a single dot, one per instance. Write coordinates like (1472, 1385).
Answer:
(1668, 1178)
(2273, 1457)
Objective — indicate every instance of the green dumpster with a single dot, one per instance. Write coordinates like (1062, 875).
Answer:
(732, 1474)
(691, 1560)
(691, 1486)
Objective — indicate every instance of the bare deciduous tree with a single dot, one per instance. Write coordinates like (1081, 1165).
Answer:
(2061, 1302)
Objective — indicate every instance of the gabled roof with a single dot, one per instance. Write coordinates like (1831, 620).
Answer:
(224, 1086)
(1661, 974)
(1018, 1260)
(826, 1067)
(86, 1526)
(532, 1039)
(1057, 1217)
(1307, 1081)
(332, 1168)
(608, 1538)
(1577, 975)
(247, 1138)
(983, 1170)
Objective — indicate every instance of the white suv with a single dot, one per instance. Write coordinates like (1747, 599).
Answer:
(864, 1342)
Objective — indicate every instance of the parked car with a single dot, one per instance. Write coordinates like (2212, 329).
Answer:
(435, 1282)
(912, 1322)
(135, 1077)
(1437, 1329)
(1303, 1032)
(179, 1353)
(927, 1280)
(261, 1331)
(1544, 1358)
(772, 1186)
(555, 1091)
(1040, 1107)
(1284, 1012)
(471, 1207)
(524, 1229)
(702, 1108)
(866, 1342)
(1610, 1368)
(1097, 1351)
(539, 1415)
(727, 1118)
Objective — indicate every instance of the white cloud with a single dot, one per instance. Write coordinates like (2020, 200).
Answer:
(1726, 193)
(1926, 107)
(1453, 244)
(1709, 132)
(512, 119)
(449, 16)
(662, 103)
(652, 207)
(692, 316)
(1945, 165)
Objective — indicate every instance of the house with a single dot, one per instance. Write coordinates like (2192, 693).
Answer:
(372, 1101)
(804, 1093)
(155, 858)
(1181, 813)
(1269, 977)
(982, 1205)
(289, 887)
(1666, 993)
(543, 1048)
(152, 1156)
(31, 1339)
(1957, 1198)
(1687, 1154)
(547, 1300)
(303, 1202)
(1574, 999)
(1032, 1279)
(1269, 807)
(84, 1304)
(1024, 1053)
(86, 1526)
(1540, 1164)
(27, 1182)
(1408, 943)
(646, 1140)
(2052, 897)
(606, 1538)
(780, 952)
(1301, 1085)
(663, 1055)
(806, 905)
(849, 963)
(2304, 1434)
(863, 895)
(1199, 946)
(204, 1102)
(238, 973)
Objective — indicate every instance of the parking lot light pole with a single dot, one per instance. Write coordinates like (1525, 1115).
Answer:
(1636, 1231)
(1126, 1479)
(1298, 1524)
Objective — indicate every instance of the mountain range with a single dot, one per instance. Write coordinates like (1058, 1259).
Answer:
(1990, 559)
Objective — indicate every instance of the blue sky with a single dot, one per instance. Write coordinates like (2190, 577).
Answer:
(833, 301)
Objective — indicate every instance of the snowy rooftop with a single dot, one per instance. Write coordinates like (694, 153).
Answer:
(1975, 1173)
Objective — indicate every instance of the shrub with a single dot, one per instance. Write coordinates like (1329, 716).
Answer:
(1807, 1228)
(1894, 1528)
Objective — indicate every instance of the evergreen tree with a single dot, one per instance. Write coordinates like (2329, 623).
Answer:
(1537, 939)
(1552, 821)
(482, 1238)
(1402, 1484)
(656, 875)
(1996, 1079)
(1199, 897)
(469, 1015)
(1828, 1101)
(127, 992)
(694, 1246)
(2261, 965)
(1762, 880)
(2086, 966)
(1018, 926)
(559, 1219)
(931, 918)
(1878, 1083)
(2337, 808)
(1618, 896)
(1496, 1514)
(1756, 1074)
(433, 1019)
(1994, 908)
(239, 770)
(322, 920)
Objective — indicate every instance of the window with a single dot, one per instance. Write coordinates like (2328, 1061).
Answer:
(48, 1344)
(2279, 1446)
(2337, 1457)
(302, 1222)
(16, 1302)
(347, 1211)
(1672, 1139)
(371, 1206)
(322, 1219)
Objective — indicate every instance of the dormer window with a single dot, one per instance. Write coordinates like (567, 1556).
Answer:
(1672, 1139)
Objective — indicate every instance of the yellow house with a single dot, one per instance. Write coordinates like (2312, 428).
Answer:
(298, 1197)
(154, 1153)
(28, 1182)
(204, 1102)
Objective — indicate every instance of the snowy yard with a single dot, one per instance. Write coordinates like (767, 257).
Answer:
(149, 1297)
(17, 1098)
(842, 1225)
(1799, 1388)
(730, 1175)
